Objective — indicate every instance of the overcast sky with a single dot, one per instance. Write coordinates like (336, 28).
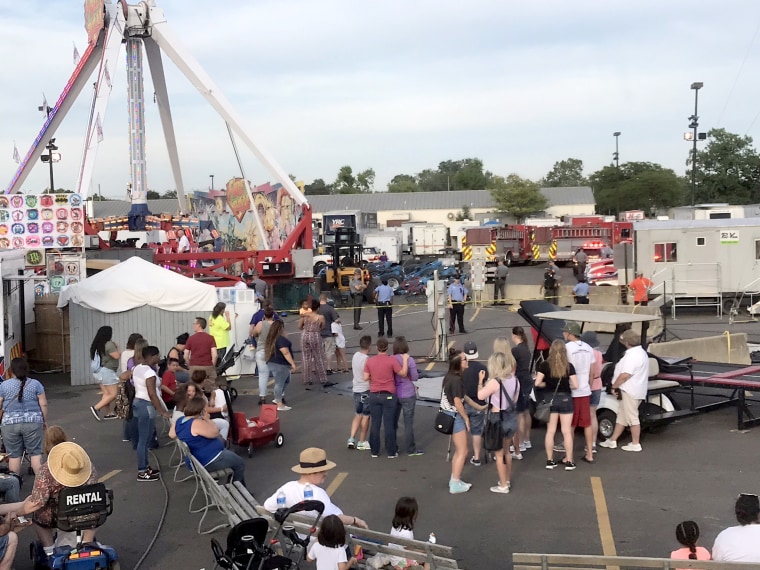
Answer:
(399, 86)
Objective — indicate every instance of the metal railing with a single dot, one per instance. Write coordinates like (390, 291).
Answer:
(522, 561)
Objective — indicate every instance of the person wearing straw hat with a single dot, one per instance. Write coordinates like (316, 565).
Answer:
(68, 465)
(312, 467)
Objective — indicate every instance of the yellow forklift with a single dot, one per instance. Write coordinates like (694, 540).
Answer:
(346, 257)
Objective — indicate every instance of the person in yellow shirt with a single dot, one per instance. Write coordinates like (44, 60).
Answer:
(640, 287)
(219, 327)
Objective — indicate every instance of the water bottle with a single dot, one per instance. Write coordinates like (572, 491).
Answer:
(281, 500)
(308, 493)
(431, 538)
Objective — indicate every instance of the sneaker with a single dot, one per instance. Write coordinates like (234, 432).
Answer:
(363, 446)
(517, 456)
(522, 447)
(458, 487)
(550, 464)
(511, 448)
(283, 408)
(262, 401)
(475, 462)
(351, 443)
(632, 447)
(375, 456)
(95, 413)
(394, 456)
(416, 453)
(500, 489)
(593, 449)
(559, 448)
(569, 465)
(147, 476)
(608, 443)
(154, 471)
(357, 328)
(527, 444)
(111, 417)
(329, 371)
(329, 384)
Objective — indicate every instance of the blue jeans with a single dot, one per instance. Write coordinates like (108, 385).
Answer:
(229, 459)
(263, 369)
(382, 410)
(281, 373)
(407, 406)
(9, 486)
(145, 416)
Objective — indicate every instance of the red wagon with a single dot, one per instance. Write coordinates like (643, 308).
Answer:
(258, 431)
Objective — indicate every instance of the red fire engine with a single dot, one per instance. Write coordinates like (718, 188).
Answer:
(587, 234)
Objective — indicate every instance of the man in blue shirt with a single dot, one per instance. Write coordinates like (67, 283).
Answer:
(384, 302)
(457, 297)
(581, 291)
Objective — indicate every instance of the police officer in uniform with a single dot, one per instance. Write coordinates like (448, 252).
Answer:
(457, 297)
(384, 302)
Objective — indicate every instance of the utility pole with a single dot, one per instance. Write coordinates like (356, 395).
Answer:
(694, 124)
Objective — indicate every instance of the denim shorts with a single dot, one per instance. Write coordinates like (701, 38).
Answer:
(17, 437)
(596, 397)
(106, 377)
(459, 424)
(477, 420)
(563, 404)
(361, 403)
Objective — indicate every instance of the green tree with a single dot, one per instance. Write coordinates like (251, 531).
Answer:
(517, 196)
(169, 194)
(565, 173)
(636, 186)
(318, 187)
(152, 195)
(464, 214)
(728, 169)
(365, 180)
(347, 183)
(403, 183)
(433, 181)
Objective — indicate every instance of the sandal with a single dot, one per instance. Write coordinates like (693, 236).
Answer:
(592, 461)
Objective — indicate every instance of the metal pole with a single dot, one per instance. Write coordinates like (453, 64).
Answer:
(694, 151)
(50, 156)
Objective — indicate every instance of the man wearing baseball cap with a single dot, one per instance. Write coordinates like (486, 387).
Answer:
(312, 467)
(581, 356)
(475, 407)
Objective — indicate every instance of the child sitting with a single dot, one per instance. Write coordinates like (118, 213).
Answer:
(687, 533)
(330, 548)
(403, 527)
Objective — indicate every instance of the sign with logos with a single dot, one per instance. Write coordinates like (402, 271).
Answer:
(729, 237)
(64, 270)
(41, 221)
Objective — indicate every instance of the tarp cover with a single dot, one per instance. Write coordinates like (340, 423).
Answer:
(136, 282)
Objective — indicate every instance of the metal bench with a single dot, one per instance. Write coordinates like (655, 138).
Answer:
(523, 561)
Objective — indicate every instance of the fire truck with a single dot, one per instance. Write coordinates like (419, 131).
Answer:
(587, 234)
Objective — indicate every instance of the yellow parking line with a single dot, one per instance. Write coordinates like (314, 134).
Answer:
(430, 366)
(475, 314)
(108, 475)
(603, 520)
(339, 478)
(451, 343)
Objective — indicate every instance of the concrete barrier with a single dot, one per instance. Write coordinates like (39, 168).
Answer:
(655, 327)
(733, 350)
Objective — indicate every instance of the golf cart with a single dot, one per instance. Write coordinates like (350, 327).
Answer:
(658, 410)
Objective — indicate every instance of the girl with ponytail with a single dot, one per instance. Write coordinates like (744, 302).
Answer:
(687, 534)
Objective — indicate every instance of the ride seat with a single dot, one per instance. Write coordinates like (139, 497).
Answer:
(83, 508)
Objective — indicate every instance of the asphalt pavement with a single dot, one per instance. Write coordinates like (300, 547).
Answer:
(626, 503)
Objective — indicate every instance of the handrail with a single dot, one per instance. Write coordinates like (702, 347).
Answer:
(530, 561)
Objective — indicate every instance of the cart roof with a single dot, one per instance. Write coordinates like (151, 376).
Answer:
(606, 317)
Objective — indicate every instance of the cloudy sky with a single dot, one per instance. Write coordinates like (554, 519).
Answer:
(399, 86)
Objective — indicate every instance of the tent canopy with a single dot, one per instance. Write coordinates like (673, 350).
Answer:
(136, 282)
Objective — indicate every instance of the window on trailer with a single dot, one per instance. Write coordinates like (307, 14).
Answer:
(757, 249)
(665, 252)
(700, 241)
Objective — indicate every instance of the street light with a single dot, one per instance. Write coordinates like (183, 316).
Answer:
(616, 154)
(50, 158)
(212, 180)
(694, 124)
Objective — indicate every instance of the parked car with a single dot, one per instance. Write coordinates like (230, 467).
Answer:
(602, 272)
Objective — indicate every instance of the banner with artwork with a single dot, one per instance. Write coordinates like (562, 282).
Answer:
(228, 213)
(34, 221)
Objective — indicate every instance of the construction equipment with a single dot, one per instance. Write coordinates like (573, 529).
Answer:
(345, 257)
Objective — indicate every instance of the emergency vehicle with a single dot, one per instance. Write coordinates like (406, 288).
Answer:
(589, 235)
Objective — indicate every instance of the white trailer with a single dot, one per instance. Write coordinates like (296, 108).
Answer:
(700, 262)
(429, 239)
(16, 307)
(389, 241)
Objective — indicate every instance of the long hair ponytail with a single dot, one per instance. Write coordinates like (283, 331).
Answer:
(20, 369)
(687, 533)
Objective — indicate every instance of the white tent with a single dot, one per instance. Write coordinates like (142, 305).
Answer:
(136, 283)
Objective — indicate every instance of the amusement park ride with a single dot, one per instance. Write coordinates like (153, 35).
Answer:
(274, 227)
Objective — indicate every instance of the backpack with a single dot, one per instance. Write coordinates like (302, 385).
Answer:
(549, 281)
(123, 402)
(95, 363)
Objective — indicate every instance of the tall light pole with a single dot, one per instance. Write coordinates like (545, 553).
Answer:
(616, 154)
(694, 124)
(212, 180)
(50, 158)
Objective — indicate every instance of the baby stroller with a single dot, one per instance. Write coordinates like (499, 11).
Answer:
(230, 357)
(80, 508)
(258, 431)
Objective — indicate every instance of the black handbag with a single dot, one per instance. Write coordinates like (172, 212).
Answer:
(493, 433)
(544, 409)
(444, 423)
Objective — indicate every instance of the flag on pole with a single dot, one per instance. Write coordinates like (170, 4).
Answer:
(99, 128)
(107, 75)
(16, 157)
(76, 54)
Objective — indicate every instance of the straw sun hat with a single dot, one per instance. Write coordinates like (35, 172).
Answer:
(313, 460)
(69, 464)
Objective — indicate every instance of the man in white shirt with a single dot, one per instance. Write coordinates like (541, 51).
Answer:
(312, 468)
(581, 356)
(183, 246)
(360, 423)
(630, 382)
(741, 543)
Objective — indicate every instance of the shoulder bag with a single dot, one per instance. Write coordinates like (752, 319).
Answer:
(544, 408)
(493, 431)
(444, 422)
